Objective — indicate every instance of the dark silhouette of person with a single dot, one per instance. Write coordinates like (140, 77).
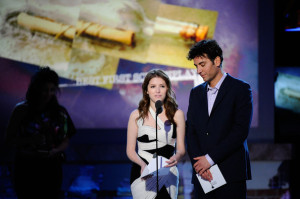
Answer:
(39, 129)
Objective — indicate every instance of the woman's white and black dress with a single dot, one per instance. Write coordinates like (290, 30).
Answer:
(146, 140)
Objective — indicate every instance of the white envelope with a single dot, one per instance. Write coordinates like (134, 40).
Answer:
(150, 169)
(218, 180)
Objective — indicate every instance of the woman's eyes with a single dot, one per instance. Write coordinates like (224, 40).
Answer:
(162, 86)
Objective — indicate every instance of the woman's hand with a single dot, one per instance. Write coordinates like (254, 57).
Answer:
(143, 167)
(172, 161)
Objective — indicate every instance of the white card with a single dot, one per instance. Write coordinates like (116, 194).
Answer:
(218, 180)
(151, 167)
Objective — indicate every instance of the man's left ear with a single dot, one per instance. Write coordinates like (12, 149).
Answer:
(218, 61)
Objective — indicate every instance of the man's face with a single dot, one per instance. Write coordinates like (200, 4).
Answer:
(206, 68)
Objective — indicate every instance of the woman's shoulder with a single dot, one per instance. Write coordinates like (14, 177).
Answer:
(179, 115)
(134, 118)
(179, 112)
(21, 110)
(135, 114)
(21, 106)
(62, 109)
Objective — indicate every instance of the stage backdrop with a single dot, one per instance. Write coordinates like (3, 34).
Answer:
(103, 49)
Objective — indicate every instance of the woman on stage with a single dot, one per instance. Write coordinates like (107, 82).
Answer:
(170, 135)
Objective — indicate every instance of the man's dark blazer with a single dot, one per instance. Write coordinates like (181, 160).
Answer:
(223, 134)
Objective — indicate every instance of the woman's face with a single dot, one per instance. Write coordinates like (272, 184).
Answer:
(157, 89)
(48, 92)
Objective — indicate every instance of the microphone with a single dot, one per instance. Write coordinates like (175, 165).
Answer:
(158, 106)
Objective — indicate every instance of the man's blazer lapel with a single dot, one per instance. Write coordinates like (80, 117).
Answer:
(203, 102)
(225, 86)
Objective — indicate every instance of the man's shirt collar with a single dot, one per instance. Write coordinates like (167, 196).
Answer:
(217, 87)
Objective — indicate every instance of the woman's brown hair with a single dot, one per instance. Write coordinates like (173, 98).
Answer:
(169, 102)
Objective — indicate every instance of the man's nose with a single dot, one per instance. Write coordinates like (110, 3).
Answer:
(199, 70)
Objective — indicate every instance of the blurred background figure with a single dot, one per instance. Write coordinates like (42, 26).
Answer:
(39, 129)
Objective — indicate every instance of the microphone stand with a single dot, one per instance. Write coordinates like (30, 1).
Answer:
(156, 154)
(158, 106)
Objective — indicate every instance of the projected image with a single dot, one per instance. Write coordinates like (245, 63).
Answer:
(109, 107)
(176, 30)
(38, 32)
(139, 31)
(103, 49)
(117, 28)
(142, 31)
(104, 105)
(287, 91)
(90, 68)
(287, 103)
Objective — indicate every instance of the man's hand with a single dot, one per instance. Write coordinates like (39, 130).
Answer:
(202, 168)
(207, 175)
(201, 165)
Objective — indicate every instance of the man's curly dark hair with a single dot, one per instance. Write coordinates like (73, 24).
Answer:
(208, 48)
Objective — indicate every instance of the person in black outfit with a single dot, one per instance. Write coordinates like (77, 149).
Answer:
(218, 123)
(39, 128)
